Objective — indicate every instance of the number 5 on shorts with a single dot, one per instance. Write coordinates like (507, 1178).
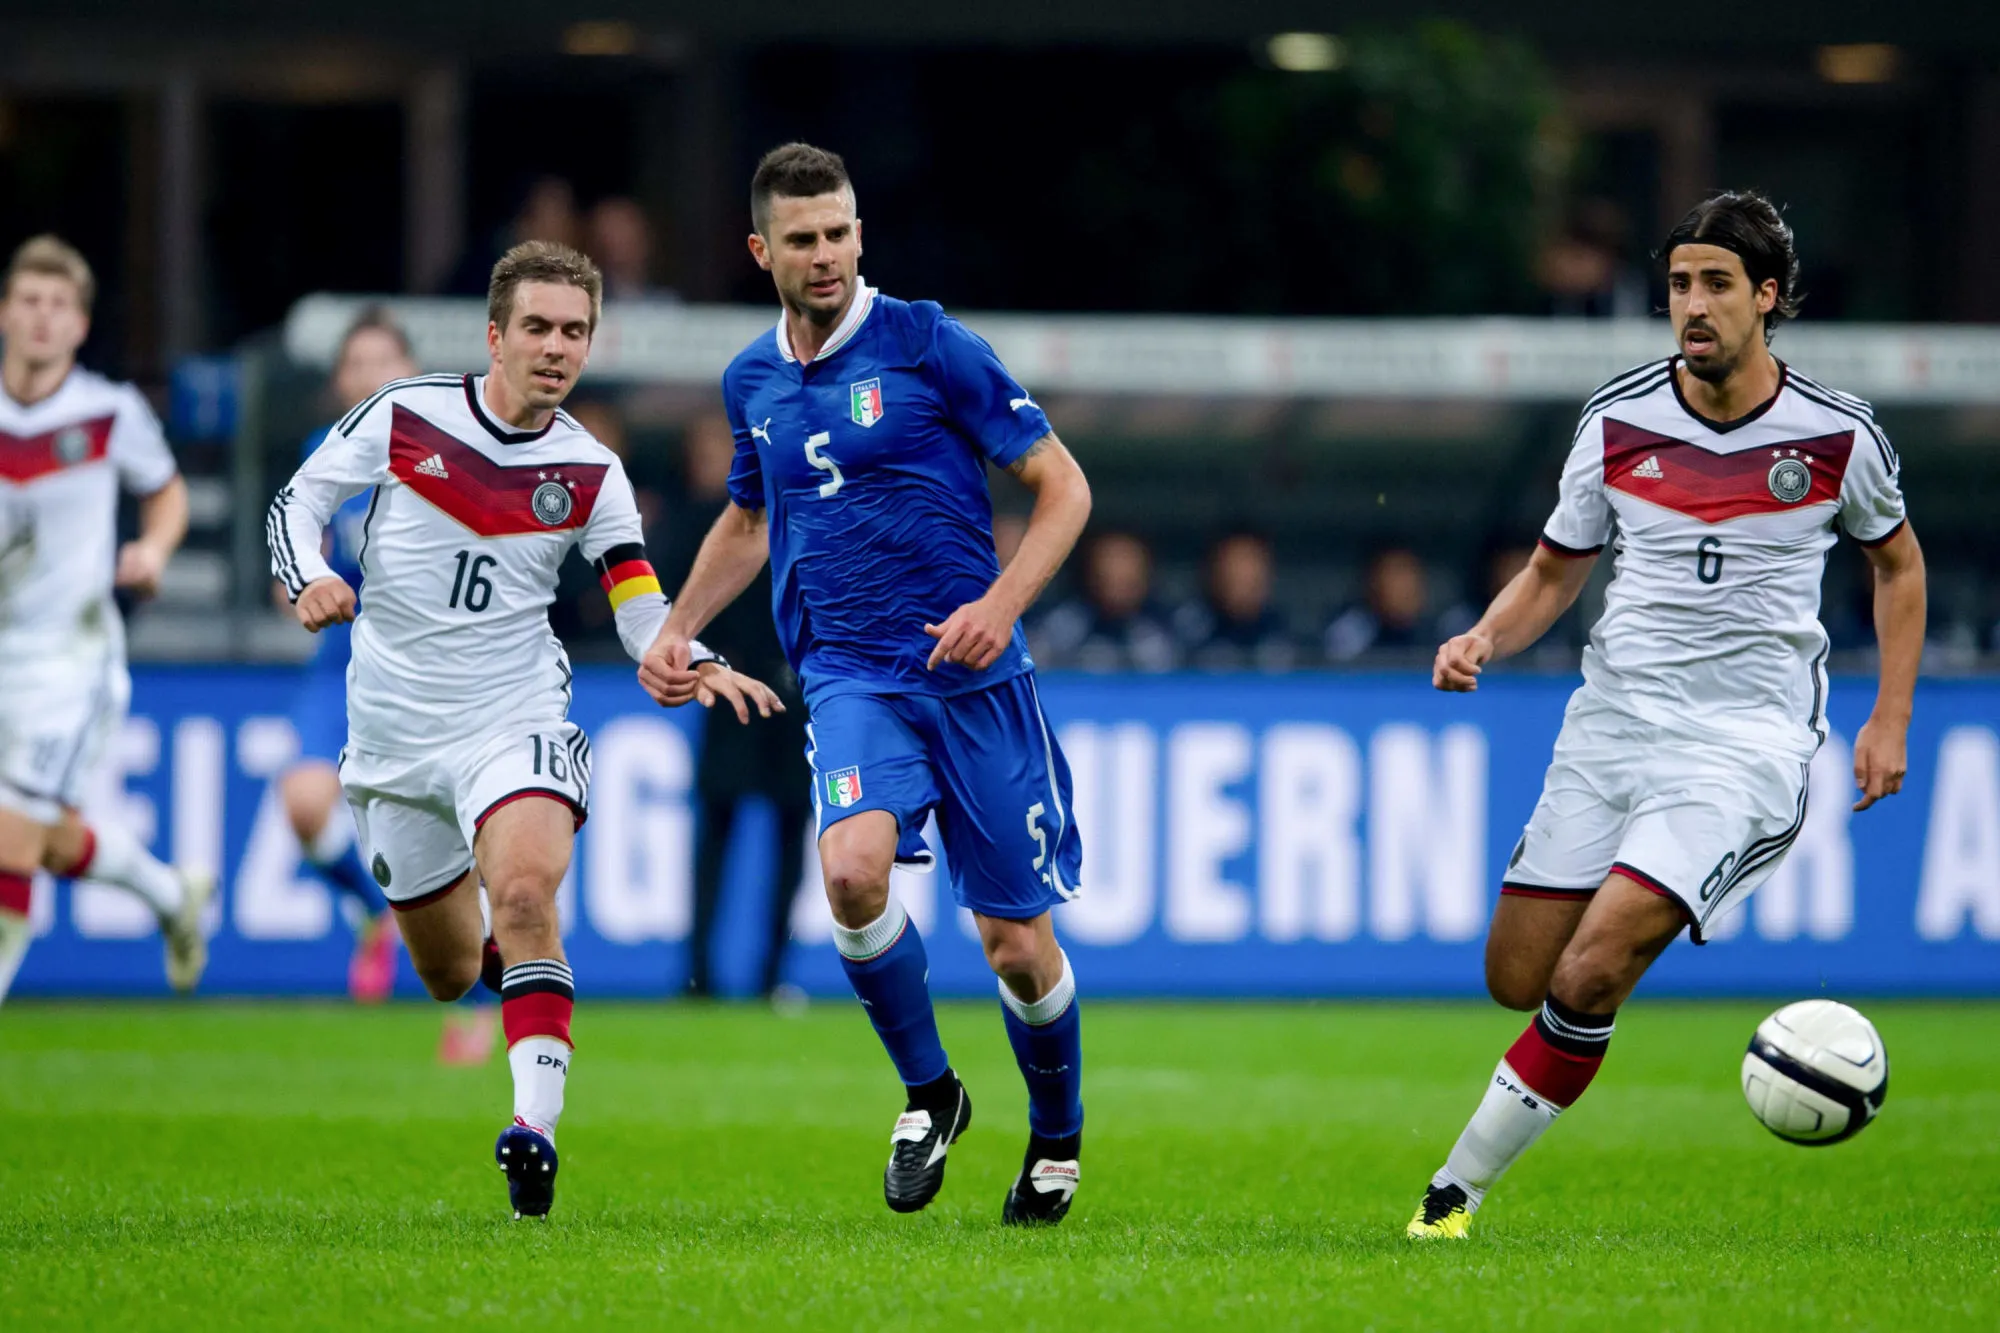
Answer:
(1035, 813)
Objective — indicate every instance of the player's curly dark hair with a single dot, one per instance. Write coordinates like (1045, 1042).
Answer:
(1750, 227)
(795, 171)
(542, 261)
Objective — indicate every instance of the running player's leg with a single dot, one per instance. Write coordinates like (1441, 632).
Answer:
(1015, 853)
(1714, 828)
(318, 814)
(1526, 938)
(521, 797)
(21, 841)
(1551, 882)
(872, 785)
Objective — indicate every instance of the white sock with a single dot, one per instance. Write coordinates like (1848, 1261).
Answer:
(541, 1067)
(120, 860)
(1509, 1120)
(335, 836)
(16, 934)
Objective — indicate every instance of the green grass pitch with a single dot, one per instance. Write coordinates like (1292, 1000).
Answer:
(216, 1166)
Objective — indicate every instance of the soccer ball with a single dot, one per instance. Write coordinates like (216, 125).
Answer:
(1815, 1073)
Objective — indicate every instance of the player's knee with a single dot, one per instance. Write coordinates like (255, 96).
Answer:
(448, 979)
(306, 803)
(1511, 990)
(1020, 953)
(857, 891)
(1592, 980)
(523, 902)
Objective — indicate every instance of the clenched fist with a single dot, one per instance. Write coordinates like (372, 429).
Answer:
(327, 601)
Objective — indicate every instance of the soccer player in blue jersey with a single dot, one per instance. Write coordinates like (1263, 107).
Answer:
(864, 426)
(373, 351)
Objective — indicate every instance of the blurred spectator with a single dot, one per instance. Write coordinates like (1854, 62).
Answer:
(1235, 627)
(1390, 619)
(621, 241)
(1583, 271)
(765, 758)
(547, 213)
(1114, 625)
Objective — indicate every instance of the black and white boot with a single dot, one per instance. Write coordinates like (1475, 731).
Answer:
(935, 1116)
(1042, 1192)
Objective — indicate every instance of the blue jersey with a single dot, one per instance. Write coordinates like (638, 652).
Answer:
(344, 538)
(870, 464)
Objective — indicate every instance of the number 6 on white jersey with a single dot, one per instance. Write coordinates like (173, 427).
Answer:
(824, 463)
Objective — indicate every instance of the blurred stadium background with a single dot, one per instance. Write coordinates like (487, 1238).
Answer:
(1313, 291)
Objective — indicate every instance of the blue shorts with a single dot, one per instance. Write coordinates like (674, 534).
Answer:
(319, 714)
(985, 761)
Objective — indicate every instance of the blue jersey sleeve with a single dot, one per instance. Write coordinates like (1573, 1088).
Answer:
(982, 399)
(746, 472)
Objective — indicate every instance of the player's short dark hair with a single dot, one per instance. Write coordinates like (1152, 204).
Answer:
(376, 319)
(1750, 227)
(795, 171)
(52, 256)
(542, 261)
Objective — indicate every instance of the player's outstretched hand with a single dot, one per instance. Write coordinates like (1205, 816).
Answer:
(1881, 758)
(140, 566)
(1459, 662)
(973, 636)
(327, 601)
(715, 681)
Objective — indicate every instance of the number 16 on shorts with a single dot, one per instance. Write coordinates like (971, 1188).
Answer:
(564, 760)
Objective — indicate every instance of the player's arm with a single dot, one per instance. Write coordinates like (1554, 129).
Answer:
(611, 542)
(1008, 426)
(352, 458)
(735, 549)
(146, 468)
(977, 633)
(1533, 600)
(163, 522)
(1536, 598)
(1881, 748)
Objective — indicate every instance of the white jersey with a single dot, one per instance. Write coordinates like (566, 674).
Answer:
(1711, 623)
(460, 554)
(62, 461)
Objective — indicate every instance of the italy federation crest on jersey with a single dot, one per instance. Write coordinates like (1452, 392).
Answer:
(843, 787)
(865, 401)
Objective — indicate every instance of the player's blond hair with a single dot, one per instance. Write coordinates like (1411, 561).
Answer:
(52, 256)
(542, 261)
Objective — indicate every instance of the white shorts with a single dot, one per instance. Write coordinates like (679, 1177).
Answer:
(1691, 819)
(57, 718)
(418, 816)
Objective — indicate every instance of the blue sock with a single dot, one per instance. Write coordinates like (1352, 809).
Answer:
(335, 856)
(1047, 1036)
(886, 965)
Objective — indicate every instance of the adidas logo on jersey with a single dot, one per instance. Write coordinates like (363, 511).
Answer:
(433, 466)
(1650, 469)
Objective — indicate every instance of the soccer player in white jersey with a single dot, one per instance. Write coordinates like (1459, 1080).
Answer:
(1679, 777)
(461, 764)
(69, 440)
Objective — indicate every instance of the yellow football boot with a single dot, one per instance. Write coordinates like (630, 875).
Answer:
(1441, 1216)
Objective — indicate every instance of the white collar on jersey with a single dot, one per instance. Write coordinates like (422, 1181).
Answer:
(857, 310)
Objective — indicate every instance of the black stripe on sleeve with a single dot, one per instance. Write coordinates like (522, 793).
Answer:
(1569, 552)
(619, 555)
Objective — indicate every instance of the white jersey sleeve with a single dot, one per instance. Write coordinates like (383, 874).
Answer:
(1871, 492)
(1581, 523)
(137, 447)
(614, 544)
(352, 457)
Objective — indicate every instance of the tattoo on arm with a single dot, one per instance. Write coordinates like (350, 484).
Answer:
(1020, 465)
